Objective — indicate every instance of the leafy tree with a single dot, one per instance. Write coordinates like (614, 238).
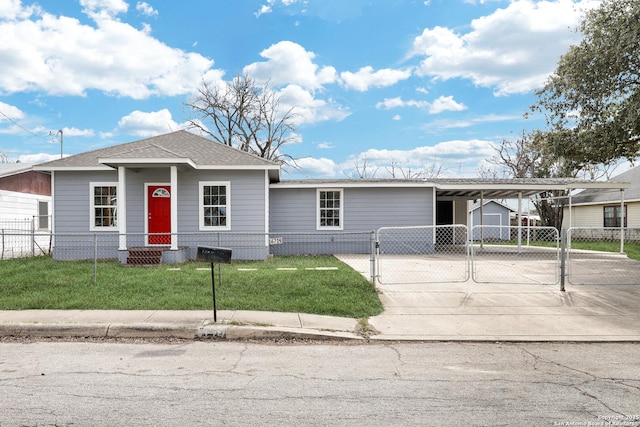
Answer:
(592, 100)
(245, 115)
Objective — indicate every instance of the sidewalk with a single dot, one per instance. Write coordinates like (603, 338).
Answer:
(435, 312)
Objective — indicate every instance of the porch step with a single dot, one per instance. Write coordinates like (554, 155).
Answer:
(144, 256)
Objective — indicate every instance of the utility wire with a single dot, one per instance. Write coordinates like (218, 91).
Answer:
(23, 128)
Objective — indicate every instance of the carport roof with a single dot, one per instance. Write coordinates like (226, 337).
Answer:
(468, 188)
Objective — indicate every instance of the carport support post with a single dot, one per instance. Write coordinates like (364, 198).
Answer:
(563, 257)
(623, 216)
(481, 219)
(519, 221)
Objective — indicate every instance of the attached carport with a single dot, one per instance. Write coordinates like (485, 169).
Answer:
(516, 188)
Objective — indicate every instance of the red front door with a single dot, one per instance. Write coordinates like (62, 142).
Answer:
(159, 214)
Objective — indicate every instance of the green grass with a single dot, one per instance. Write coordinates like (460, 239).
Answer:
(41, 283)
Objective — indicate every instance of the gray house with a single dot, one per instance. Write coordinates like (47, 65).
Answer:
(145, 192)
(173, 192)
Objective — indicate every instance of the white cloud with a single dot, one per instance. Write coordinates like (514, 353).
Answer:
(62, 56)
(450, 158)
(445, 103)
(289, 63)
(365, 78)
(104, 7)
(514, 49)
(10, 111)
(263, 10)
(77, 132)
(441, 104)
(325, 145)
(318, 168)
(309, 109)
(37, 158)
(145, 124)
(146, 9)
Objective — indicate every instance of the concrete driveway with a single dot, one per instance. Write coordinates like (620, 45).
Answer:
(466, 310)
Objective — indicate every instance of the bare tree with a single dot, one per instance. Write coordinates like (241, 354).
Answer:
(362, 169)
(397, 170)
(245, 115)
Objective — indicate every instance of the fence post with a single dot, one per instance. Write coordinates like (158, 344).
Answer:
(372, 257)
(33, 236)
(95, 258)
(563, 257)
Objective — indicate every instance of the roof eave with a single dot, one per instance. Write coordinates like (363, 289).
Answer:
(146, 162)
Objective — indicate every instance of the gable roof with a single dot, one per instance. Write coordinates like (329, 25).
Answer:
(632, 193)
(476, 205)
(180, 148)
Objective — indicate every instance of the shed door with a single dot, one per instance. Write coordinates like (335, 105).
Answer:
(159, 214)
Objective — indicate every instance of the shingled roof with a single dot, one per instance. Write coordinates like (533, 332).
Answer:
(590, 196)
(181, 147)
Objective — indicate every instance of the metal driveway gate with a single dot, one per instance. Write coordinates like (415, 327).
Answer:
(504, 254)
(425, 254)
(596, 256)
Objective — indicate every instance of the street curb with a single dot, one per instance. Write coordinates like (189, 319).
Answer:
(59, 330)
(233, 332)
(159, 330)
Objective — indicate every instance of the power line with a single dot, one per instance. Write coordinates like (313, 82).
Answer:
(23, 128)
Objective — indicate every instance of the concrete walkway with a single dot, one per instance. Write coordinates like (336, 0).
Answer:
(465, 311)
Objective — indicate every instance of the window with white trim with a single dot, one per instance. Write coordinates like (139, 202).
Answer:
(330, 211)
(104, 205)
(612, 217)
(214, 205)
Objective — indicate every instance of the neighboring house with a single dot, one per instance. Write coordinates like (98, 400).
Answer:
(25, 197)
(25, 203)
(591, 208)
(495, 220)
(179, 190)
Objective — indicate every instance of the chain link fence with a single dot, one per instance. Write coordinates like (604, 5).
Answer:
(426, 254)
(597, 256)
(390, 255)
(504, 254)
(355, 249)
(23, 237)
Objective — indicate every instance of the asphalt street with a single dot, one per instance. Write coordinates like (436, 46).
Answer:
(342, 383)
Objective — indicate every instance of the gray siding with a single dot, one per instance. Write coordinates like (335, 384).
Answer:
(247, 204)
(72, 198)
(365, 209)
(294, 210)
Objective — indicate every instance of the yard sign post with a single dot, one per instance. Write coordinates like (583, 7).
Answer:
(213, 255)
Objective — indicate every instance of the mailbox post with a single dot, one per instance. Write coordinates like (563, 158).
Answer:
(214, 255)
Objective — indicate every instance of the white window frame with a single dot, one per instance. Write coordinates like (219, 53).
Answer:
(340, 209)
(201, 206)
(43, 219)
(92, 206)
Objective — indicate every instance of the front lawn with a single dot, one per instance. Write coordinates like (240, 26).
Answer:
(306, 284)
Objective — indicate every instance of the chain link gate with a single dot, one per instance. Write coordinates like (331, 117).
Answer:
(504, 254)
(597, 256)
(424, 254)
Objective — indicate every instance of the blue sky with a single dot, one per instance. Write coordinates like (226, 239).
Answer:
(409, 86)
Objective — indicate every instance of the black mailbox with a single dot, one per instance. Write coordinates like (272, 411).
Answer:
(218, 255)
